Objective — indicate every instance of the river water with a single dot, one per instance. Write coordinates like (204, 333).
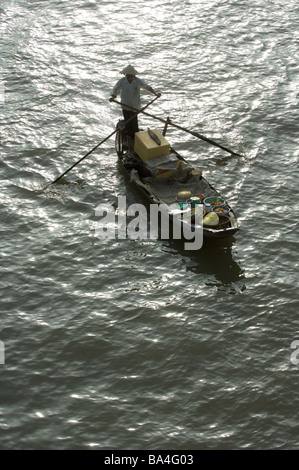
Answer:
(141, 344)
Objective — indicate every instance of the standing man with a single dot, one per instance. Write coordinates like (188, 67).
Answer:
(129, 88)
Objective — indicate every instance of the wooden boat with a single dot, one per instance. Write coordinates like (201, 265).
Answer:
(161, 179)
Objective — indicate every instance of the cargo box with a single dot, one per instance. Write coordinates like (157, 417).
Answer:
(147, 149)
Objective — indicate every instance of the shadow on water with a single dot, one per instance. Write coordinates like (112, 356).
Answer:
(215, 258)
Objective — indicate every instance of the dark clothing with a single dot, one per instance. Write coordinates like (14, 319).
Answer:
(131, 126)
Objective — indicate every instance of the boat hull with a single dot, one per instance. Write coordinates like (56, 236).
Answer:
(132, 167)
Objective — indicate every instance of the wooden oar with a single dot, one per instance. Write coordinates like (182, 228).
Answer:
(88, 153)
(104, 140)
(196, 134)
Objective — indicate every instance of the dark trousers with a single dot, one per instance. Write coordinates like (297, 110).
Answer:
(131, 126)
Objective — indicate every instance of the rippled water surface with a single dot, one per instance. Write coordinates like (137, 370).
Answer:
(140, 344)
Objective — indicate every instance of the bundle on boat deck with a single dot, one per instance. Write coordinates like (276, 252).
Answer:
(182, 179)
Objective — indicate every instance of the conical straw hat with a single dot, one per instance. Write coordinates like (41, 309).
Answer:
(129, 70)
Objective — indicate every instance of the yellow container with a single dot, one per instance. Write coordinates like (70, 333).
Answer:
(165, 174)
(147, 148)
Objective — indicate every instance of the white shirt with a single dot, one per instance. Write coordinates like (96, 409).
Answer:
(130, 92)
